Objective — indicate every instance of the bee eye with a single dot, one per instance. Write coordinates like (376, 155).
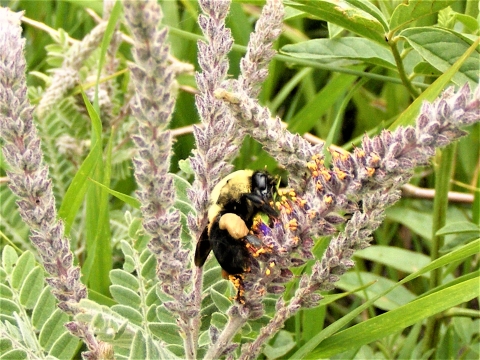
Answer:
(259, 184)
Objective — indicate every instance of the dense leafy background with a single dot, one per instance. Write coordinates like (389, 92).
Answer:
(336, 77)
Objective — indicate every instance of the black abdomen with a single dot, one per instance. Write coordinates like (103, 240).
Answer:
(231, 254)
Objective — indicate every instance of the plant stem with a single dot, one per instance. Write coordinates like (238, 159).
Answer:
(401, 70)
(440, 205)
(235, 322)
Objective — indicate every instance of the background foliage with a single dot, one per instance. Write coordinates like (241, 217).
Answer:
(336, 77)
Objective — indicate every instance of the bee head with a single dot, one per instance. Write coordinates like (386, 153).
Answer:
(263, 187)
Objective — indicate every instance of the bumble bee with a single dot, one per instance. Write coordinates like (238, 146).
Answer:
(235, 201)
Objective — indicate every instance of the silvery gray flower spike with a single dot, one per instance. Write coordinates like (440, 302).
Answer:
(29, 179)
(373, 175)
(153, 106)
(254, 65)
(66, 77)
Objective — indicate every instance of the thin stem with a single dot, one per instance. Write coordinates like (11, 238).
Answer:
(288, 88)
(440, 205)
(275, 324)
(235, 322)
(401, 70)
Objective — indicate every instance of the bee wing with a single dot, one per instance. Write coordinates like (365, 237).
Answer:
(203, 248)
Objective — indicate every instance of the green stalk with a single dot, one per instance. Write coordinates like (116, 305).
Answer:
(401, 70)
(440, 206)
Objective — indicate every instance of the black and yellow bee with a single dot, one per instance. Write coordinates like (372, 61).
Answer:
(235, 201)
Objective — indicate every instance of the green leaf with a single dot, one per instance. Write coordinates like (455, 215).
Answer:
(424, 68)
(153, 351)
(219, 320)
(5, 345)
(185, 166)
(204, 339)
(421, 222)
(8, 307)
(76, 191)
(125, 279)
(167, 332)
(164, 315)
(135, 230)
(25, 264)
(9, 259)
(394, 299)
(99, 251)
(413, 10)
(5, 292)
(65, 347)
(52, 329)
(78, 188)
(129, 313)
(14, 354)
(44, 308)
(410, 344)
(456, 255)
(431, 93)
(465, 328)
(441, 49)
(221, 301)
(470, 22)
(396, 320)
(351, 48)
(100, 298)
(282, 344)
(322, 102)
(3, 275)
(400, 259)
(460, 227)
(113, 17)
(125, 296)
(181, 186)
(311, 320)
(127, 199)
(138, 348)
(371, 9)
(126, 248)
(345, 15)
(32, 288)
(151, 297)
(109, 325)
(149, 266)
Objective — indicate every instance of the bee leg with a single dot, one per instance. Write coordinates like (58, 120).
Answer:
(234, 225)
(237, 281)
(238, 230)
(253, 240)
